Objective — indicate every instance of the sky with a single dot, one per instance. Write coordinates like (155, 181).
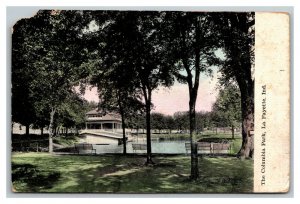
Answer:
(170, 100)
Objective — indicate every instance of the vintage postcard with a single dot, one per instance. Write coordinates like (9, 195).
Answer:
(127, 101)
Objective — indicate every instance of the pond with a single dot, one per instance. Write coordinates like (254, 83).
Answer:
(163, 147)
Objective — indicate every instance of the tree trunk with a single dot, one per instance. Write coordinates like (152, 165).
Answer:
(27, 129)
(247, 149)
(241, 67)
(232, 131)
(147, 96)
(66, 132)
(148, 128)
(52, 113)
(121, 110)
(42, 131)
(193, 91)
(194, 148)
(124, 133)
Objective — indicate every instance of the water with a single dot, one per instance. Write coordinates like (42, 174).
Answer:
(164, 147)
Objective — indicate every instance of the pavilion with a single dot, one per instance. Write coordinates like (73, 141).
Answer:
(95, 120)
(102, 128)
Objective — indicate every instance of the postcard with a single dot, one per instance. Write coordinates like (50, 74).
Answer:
(139, 102)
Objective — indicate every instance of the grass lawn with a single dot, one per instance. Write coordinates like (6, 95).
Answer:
(42, 172)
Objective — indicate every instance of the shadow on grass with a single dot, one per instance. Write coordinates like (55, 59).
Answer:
(128, 174)
(217, 175)
(30, 179)
(223, 175)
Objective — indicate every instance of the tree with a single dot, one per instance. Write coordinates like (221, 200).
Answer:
(158, 121)
(52, 41)
(203, 120)
(41, 119)
(181, 120)
(237, 34)
(193, 46)
(137, 121)
(114, 76)
(71, 113)
(138, 48)
(153, 63)
(228, 106)
(23, 110)
(169, 123)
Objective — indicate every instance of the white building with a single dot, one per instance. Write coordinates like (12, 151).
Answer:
(95, 120)
(102, 128)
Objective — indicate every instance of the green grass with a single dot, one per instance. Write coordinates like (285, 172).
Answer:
(42, 172)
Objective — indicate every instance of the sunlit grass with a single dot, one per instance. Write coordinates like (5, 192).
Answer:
(41, 172)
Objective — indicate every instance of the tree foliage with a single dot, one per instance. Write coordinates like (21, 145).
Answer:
(158, 121)
(134, 58)
(237, 33)
(227, 108)
(47, 52)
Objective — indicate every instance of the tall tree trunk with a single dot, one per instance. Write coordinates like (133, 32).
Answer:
(247, 149)
(194, 147)
(121, 109)
(124, 133)
(241, 67)
(148, 128)
(27, 129)
(66, 132)
(42, 131)
(232, 131)
(147, 96)
(51, 130)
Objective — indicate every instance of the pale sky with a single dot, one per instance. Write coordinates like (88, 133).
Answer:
(170, 100)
